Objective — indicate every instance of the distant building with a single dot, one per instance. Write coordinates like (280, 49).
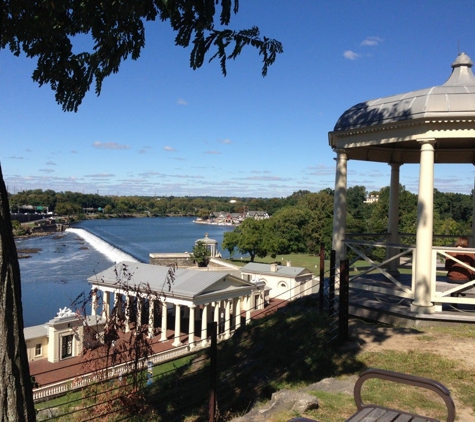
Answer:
(281, 282)
(371, 199)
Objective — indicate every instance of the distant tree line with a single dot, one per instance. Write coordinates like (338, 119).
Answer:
(299, 223)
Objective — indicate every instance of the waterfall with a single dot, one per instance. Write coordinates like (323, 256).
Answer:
(110, 251)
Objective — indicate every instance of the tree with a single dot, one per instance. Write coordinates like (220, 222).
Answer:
(200, 254)
(248, 238)
(45, 30)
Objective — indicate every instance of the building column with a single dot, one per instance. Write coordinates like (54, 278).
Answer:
(425, 222)
(151, 317)
(191, 327)
(119, 312)
(105, 304)
(227, 319)
(248, 308)
(204, 325)
(94, 304)
(237, 313)
(217, 305)
(177, 341)
(138, 322)
(339, 206)
(393, 218)
(127, 313)
(163, 335)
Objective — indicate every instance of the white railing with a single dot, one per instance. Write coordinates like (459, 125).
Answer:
(81, 381)
(441, 290)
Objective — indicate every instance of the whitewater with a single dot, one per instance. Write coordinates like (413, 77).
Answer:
(109, 251)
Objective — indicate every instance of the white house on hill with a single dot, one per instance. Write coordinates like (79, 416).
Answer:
(284, 282)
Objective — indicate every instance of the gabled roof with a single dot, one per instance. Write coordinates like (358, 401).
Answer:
(283, 271)
(187, 283)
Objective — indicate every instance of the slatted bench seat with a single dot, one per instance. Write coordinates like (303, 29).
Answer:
(374, 413)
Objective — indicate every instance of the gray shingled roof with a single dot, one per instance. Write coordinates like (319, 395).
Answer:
(284, 271)
(188, 283)
(455, 98)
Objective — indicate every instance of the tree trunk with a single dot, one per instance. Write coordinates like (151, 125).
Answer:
(16, 398)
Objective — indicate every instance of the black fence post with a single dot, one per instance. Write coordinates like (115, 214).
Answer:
(321, 290)
(344, 299)
(213, 328)
(331, 286)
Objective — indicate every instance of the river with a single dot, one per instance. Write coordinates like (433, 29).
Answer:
(57, 275)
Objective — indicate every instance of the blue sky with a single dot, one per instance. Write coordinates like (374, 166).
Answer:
(160, 128)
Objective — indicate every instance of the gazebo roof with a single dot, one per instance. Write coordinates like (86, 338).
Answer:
(387, 129)
(455, 97)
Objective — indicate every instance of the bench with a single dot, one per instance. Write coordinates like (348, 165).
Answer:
(375, 413)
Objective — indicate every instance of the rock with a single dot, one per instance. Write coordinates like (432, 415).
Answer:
(298, 401)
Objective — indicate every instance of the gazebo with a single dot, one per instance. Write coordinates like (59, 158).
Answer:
(425, 127)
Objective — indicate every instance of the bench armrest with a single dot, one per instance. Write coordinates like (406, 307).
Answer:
(413, 380)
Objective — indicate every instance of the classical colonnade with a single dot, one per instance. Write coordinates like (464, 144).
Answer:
(227, 313)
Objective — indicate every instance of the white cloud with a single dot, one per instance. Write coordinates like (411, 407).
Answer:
(371, 41)
(169, 148)
(181, 101)
(50, 163)
(226, 141)
(212, 152)
(351, 55)
(109, 145)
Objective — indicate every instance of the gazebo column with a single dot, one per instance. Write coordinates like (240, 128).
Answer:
(227, 319)
(163, 335)
(425, 222)
(393, 218)
(151, 317)
(472, 240)
(204, 325)
(177, 341)
(339, 206)
(191, 327)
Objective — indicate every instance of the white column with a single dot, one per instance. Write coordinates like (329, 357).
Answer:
(118, 305)
(138, 322)
(237, 313)
(177, 341)
(127, 313)
(105, 304)
(227, 319)
(339, 206)
(472, 241)
(425, 222)
(216, 313)
(164, 328)
(248, 308)
(393, 218)
(94, 301)
(204, 325)
(191, 327)
(151, 317)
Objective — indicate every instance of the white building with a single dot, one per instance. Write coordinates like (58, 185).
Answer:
(282, 282)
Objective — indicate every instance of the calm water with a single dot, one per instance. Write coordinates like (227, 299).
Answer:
(54, 277)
